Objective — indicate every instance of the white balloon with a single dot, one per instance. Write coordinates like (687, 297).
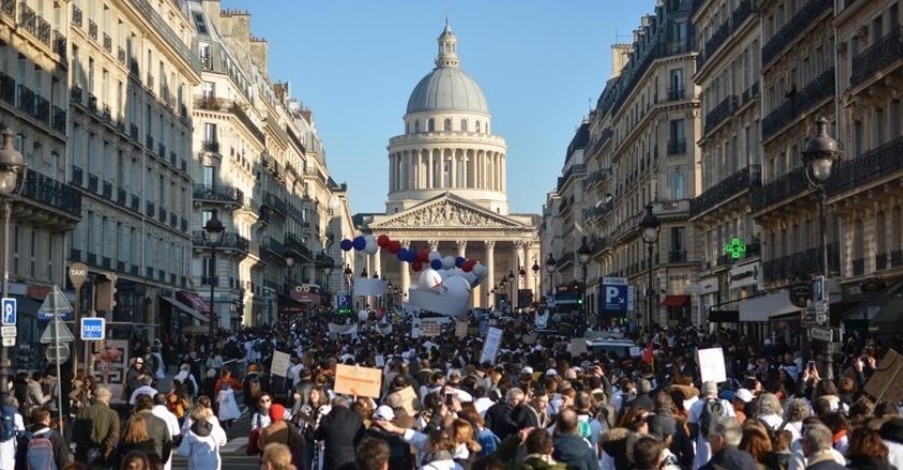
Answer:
(371, 247)
(363, 315)
(369, 238)
(480, 270)
(435, 255)
(430, 279)
(448, 262)
(458, 291)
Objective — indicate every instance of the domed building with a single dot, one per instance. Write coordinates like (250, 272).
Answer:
(447, 187)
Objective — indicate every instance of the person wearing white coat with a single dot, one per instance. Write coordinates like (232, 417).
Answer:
(201, 445)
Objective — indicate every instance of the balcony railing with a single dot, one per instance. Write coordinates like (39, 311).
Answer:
(92, 103)
(878, 56)
(7, 89)
(50, 192)
(150, 208)
(877, 163)
(92, 182)
(896, 258)
(42, 110)
(44, 31)
(92, 29)
(750, 93)
(781, 188)
(107, 190)
(77, 16)
(210, 146)
(26, 100)
(149, 142)
(747, 178)
(719, 37)
(213, 103)
(677, 256)
(209, 192)
(77, 175)
(107, 43)
(120, 55)
(275, 202)
(720, 112)
(793, 28)
(133, 131)
(273, 246)
(676, 93)
(812, 94)
(677, 146)
(229, 240)
(59, 45)
(27, 18)
(805, 262)
(741, 13)
(295, 243)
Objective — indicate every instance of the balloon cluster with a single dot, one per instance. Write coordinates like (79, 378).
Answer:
(422, 259)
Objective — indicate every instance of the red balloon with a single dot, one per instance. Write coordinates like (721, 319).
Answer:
(382, 241)
(394, 247)
(423, 256)
(468, 265)
(416, 266)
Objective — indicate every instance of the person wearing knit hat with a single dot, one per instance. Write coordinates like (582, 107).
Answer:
(280, 431)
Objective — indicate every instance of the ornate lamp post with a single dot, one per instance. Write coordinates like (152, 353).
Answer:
(551, 264)
(584, 253)
(649, 227)
(289, 262)
(819, 157)
(214, 229)
(12, 173)
(536, 292)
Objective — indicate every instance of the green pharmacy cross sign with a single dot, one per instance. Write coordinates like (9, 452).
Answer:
(735, 248)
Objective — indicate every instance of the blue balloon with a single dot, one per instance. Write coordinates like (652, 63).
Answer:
(346, 244)
(459, 261)
(403, 254)
(436, 264)
(411, 257)
(359, 243)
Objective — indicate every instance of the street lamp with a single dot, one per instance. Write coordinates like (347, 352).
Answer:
(819, 157)
(348, 273)
(649, 227)
(12, 166)
(551, 264)
(214, 229)
(512, 302)
(584, 253)
(289, 262)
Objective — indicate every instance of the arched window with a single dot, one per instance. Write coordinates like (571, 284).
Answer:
(478, 127)
(446, 126)
(416, 127)
(463, 125)
(407, 127)
(431, 125)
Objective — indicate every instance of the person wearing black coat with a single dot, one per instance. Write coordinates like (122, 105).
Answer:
(340, 431)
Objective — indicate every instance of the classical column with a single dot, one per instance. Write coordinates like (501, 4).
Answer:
(518, 263)
(490, 268)
(462, 248)
(405, 275)
(434, 245)
(429, 173)
(527, 265)
(377, 263)
(503, 183)
(454, 170)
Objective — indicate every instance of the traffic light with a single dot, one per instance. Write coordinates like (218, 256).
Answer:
(105, 292)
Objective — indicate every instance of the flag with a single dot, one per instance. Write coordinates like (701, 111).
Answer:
(648, 353)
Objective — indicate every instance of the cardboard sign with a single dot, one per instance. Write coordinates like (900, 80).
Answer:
(491, 346)
(528, 339)
(364, 287)
(111, 361)
(280, 364)
(578, 346)
(636, 351)
(430, 327)
(409, 400)
(358, 381)
(380, 360)
(886, 384)
(711, 365)
(461, 329)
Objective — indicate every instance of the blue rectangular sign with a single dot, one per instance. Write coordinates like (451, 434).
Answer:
(92, 328)
(9, 311)
(614, 297)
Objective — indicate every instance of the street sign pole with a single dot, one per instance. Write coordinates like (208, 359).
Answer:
(59, 376)
(78, 272)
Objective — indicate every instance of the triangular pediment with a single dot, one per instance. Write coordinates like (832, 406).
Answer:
(445, 211)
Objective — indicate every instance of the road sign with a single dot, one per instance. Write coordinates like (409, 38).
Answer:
(800, 291)
(57, 331)
(615, 294)
(344, 304)
(55, 303)
(8, 331)
(57, 354)
(78, 272)
(9, 311)
(809, 318)
(821, 308)
(9, 342)
(93, 328)
(822, 334)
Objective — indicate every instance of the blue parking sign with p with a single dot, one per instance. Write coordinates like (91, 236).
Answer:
(9, 311)
(615, 298)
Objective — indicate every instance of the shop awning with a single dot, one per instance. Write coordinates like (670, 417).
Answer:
(760, 309)
(724, 316)
(675, 301)
(193, 300)
(185, 309)
(889, 319)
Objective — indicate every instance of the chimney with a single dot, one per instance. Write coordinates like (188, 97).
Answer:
(620, 55)
(212, 8)
(259, 52)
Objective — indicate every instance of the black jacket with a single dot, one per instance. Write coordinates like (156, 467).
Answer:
(504, 420)
(400, 456)
(575, 452)
(730, 458)
(340, 432)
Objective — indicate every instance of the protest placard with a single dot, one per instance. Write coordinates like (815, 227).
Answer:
(578, 346)
(461, 329)
(280, 364)
(711, 365)
(358, 381)
(409, 400)
(491, 346)
(886, 383)
(430, 327)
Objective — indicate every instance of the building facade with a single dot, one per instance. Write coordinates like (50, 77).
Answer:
(448, 187)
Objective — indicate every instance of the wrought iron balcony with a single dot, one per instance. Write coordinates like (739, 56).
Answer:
(7, 89)
(120, 55)
(779, 189)
(135, 203)
(162, 214)
(747, 178)
(296, 244)
(92, 29)
(877, 163)
(27, 18)
(677, 146)
(59, 45)
(275, 202)
(676, 93)
(77, 175)
(805, 262)
(121, 197)
(210, 146)
(149, 142)
(107, 43)
(816, 91)
(44, 31)
(678, 256)
(750, 93)
(793, 28)
(92, 103)
(877, 56)
(26, 100)
(720, 112)
(150, 208)
(718, 38)
(896, 258)
(75, 95)
(45, 190)
(273, 246)
(880, 261)
(107, 190)
(220, 193)
(42, 110)
(741, 13)
(859, 267)
(133, 131)
(77, 16)
(575, 169)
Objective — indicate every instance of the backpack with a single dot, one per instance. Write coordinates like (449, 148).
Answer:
(584, 429)
(712, 409)
(40, 452)
(7, 423)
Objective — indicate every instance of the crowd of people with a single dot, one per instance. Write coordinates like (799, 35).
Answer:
(536, 404)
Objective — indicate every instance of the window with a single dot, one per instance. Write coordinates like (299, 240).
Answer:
(679, 240)
(879, 127)
(677, 131)
(447, 126)
(478, 127)
(894, 119)
(857, 138)
(677, 186)
(463, 125)
(208, 90)
(210, 132)
(431, 125)
(417, 127)
(208, 175)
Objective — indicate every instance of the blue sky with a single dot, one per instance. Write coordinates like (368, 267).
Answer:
(541, 65)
